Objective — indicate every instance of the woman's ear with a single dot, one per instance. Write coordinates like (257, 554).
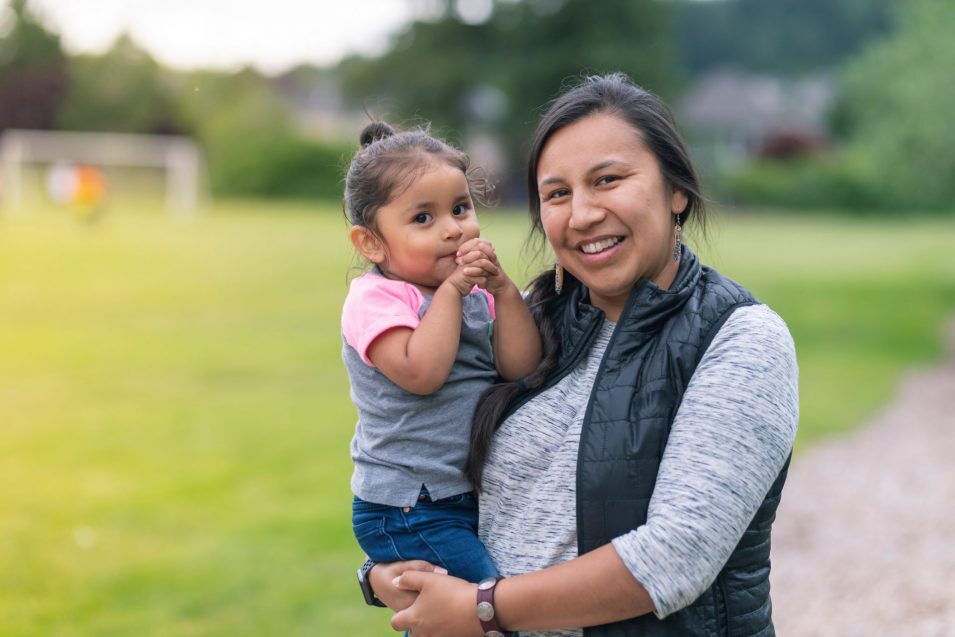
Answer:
(678, 201)
(367, 243)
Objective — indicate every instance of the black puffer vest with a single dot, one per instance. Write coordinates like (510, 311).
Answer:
(655, 348)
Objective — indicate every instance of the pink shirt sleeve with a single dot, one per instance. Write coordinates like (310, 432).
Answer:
(375, 305)
(490, 300)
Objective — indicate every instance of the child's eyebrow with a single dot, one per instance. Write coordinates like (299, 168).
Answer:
(418, 205)
(431, 204)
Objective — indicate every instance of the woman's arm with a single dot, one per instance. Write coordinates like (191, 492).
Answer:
(731, 437)
(593, 589)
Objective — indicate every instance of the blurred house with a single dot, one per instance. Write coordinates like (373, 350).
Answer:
(730, 116)
(320, 111)
(317, 105)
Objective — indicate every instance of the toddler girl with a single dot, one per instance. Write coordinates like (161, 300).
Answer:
(427, 329)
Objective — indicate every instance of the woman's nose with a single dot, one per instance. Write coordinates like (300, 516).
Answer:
(585, 212)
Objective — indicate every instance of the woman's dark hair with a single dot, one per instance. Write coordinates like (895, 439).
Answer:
(389, 161)
(650, 118)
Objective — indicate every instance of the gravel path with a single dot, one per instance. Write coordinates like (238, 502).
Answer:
(864, 543)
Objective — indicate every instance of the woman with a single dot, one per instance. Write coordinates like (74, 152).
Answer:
(632, 480)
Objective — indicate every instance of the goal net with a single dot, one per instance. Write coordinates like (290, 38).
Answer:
(28, 151)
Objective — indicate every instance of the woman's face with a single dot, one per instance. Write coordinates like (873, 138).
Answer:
(606, 209)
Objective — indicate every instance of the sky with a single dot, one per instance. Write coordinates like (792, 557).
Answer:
(272, 35)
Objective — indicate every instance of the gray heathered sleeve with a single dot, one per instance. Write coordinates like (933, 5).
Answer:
(729, 440)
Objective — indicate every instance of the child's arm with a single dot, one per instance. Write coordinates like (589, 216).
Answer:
(419, 360)
(517, 343)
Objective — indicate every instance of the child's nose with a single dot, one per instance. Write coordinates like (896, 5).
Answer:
(453, 230)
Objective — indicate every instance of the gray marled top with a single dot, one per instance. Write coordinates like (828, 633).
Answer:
(731, 436)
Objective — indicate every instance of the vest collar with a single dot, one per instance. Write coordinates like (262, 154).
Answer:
(646, 308)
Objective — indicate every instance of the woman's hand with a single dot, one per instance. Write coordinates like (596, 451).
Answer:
(444, 606)
(382, 578)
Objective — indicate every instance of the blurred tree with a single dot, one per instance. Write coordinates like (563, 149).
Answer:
(251, 144)
(894, 123)
(777, 36)
(122, 90)
(33, 76)
(500, 72)
(896, 110)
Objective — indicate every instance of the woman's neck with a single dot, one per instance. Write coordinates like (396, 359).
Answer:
(613, 306)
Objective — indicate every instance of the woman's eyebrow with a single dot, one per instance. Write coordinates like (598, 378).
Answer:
(602, 165)
(593, 169)
(548, 181)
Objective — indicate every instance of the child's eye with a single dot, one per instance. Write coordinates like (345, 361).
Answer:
(460, 209)
(422, 217)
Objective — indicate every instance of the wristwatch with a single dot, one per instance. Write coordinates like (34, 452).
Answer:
(365, 585)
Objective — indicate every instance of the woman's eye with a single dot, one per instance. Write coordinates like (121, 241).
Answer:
(607, 179)
(555, 194)
(422, 217)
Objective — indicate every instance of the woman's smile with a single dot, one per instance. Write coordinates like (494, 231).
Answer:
(598, 246)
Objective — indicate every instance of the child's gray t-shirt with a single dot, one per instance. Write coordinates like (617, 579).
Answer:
(403, 440)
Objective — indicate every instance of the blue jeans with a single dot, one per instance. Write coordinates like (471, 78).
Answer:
(443, 532)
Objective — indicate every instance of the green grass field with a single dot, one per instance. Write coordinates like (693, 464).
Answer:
(175, 417)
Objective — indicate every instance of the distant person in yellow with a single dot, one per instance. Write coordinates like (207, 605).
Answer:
(89, 196)
(81, 187)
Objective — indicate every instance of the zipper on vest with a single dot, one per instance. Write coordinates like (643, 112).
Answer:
(723, 616)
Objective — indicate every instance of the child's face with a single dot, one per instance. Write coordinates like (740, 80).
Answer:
(424, 225)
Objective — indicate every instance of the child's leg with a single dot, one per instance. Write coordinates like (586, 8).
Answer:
(369, 521)
(448, 528)
(443, 533)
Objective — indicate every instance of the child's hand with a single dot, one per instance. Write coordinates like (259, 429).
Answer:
(475, 266)
(479, 253)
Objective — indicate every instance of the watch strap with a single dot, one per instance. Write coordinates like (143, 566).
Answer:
(366, 590)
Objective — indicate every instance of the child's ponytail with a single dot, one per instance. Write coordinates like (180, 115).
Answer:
(373, 132)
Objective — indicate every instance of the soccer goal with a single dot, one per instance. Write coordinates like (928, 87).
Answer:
(178, 157)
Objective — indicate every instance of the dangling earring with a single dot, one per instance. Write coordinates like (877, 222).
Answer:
(558, 277)
(679, 239)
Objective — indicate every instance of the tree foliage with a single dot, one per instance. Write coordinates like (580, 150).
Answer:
(777, 36)
(122, 90)
(894, 121)
(897, 106)
(500, 73)
(251, 145)
(33, 74)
